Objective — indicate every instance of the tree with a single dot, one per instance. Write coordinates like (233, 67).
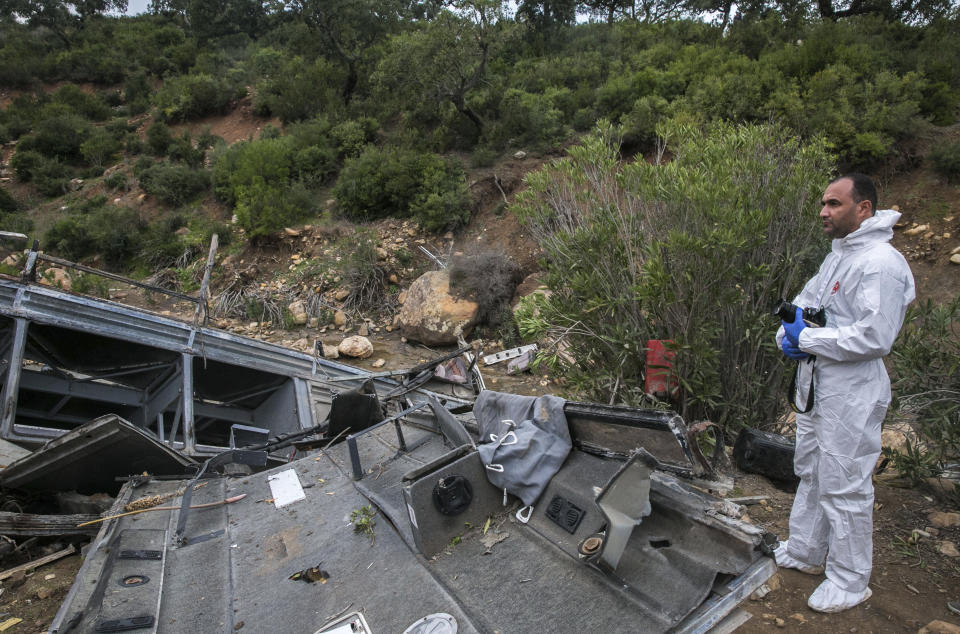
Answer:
(546, 16)
(903, 10)
(447, 59)
(57, 15)
(215, 18)
(348, 28)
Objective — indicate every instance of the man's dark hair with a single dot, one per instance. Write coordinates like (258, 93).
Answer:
(863, 188)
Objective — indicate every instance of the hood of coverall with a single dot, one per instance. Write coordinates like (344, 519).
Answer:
(876, 228)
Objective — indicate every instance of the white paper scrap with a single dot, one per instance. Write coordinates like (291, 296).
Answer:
(285, 487)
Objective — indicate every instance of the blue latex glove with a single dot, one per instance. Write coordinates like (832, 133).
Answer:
(792, 351)
(794, 329)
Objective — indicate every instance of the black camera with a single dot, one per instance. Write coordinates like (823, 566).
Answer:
(787, 312)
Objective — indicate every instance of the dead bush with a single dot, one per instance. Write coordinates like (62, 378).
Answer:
(488, 278)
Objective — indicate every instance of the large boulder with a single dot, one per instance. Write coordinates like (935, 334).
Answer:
(431, 315)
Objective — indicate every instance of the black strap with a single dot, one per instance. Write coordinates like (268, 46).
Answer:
(792, 391)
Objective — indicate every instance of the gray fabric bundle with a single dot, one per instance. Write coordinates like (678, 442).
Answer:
(523, 455)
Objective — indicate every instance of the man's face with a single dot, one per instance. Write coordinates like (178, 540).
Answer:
(840, 215)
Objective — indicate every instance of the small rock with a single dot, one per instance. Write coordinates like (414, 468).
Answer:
(341, 294)
(379, 363)
(948, 548)
(382, 253)
(768, 617)
(394, 279)
(955, 259)
(917, 230)
(955, 251)
(43, 593)
(779, 622)
(775, 582)
(520, 154)
(356, 346)
(293, 233)
(364, 330)
(939, 627)
(298, 312)
(313, 322)
(933, 531)
(339, 318)
(941, 519)
(330, 352)
(799, 618)
(402, 297)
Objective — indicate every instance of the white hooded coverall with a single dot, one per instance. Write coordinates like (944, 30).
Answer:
(865, 286)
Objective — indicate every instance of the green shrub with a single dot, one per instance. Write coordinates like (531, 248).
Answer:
(57, 137)
(142, 164)
(111, 232)
(90, 284)
(70, 237)
(690, 251)
(174, 184)
(300, 90)
(383, 182)
(183, 149)
(528, 118)
(351, 135)
(12, 217)
(443, 200)
(51, 177)
(186, 97)
(89, 106)
(926, 362)
(137, 91)
(262, 208)
(159, 138)
(117, 180)
(133, 144)
(945, 159)
(100, 148)
(161, 245)
(24, 163)
(8, 203)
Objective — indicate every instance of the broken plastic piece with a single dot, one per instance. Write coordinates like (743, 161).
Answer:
(625, 501)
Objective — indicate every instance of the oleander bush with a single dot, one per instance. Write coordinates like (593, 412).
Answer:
(691, 250)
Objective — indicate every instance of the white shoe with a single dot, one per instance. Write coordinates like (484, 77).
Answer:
(829, 597)
(784, 560)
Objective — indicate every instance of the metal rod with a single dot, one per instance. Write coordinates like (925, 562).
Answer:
(110, 375)
(111, 276)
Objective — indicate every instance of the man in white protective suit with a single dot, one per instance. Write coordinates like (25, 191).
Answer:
(864, 284)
